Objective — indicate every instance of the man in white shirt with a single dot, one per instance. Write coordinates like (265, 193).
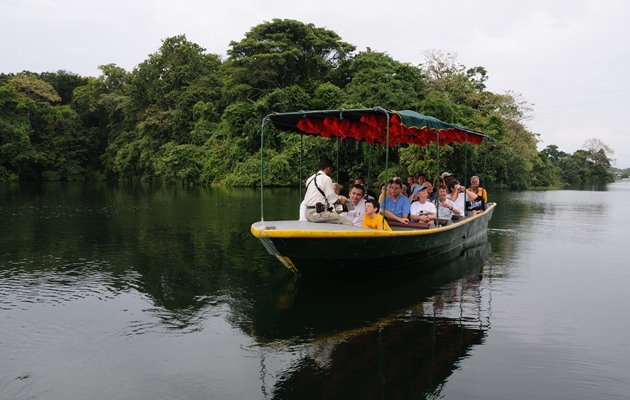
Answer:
(358, 205)
(320, 197)
(422, 210)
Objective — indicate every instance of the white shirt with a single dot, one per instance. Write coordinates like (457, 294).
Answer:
(459, 203)
(313, 196)
(427, 207)
(445, 213)
(356, 215)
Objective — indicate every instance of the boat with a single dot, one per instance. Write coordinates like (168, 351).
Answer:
(307, 247)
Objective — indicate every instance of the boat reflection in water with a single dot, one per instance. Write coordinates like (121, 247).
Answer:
(392, 336)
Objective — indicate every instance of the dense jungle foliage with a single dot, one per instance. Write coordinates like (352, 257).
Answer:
(184, 115)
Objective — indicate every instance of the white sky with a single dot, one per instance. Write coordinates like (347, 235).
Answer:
(567, 57)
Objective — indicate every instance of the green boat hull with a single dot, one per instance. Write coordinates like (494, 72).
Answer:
(330, 253)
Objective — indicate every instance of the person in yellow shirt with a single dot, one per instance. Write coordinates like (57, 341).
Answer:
(372, 218)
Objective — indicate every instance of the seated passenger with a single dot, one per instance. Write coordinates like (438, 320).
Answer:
(437, 182)
(336, 188)
(445, 207)
(385, 191)
(477, 197)
(422, 210)
(430, 195)
(411, 184)
(356, 205)
(368, 193)
(421, 178)
(457, 196)
(396, 206)
(372, 219)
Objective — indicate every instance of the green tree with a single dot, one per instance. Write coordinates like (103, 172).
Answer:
(15, 145)
(167, 93)
(64, 83)
(378, 80)
(41, 140)
(281, 53)
(103, 103)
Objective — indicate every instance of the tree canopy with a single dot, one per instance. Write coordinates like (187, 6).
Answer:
(186, 115)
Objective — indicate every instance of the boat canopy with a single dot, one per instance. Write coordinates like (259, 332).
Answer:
(371, 125)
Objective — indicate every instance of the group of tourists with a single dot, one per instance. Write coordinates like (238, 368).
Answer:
(415, 204)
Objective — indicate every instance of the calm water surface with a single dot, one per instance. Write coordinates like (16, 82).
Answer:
(131, 292)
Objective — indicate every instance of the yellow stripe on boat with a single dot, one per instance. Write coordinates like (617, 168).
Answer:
(274, 229)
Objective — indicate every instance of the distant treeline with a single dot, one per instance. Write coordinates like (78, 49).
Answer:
(184, 115)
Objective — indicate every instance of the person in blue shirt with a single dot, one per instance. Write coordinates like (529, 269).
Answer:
(396, 206)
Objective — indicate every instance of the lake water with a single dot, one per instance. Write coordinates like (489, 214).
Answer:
(132, 292)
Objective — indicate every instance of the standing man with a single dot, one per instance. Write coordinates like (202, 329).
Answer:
(358, 203)
(320, 197)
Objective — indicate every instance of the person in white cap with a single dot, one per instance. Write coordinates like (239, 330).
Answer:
(446, 177)
(422, 210)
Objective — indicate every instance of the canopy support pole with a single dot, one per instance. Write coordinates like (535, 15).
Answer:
(337, 165)
(262, 170)
(368, 181)
(301, 151)
(485, 165)
(437, 201)
(386, 167)
(465, 172)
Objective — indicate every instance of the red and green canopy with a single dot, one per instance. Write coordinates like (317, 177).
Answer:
(371, 125)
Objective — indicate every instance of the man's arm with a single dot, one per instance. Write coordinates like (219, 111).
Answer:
(327, 187)
(391, 215)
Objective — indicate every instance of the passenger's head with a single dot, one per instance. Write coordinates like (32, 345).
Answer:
(410, 180)
(442, 191)
(359, 180)
(429, 187)
(371, 206)
(422, 194)
(336, 188)
(474, 180)
(389, 186)
(453, 186)
(325, 165)
(356, 193)
(421, 178)
(396, 187)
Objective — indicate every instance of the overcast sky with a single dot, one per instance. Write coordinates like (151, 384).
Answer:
(569, 58)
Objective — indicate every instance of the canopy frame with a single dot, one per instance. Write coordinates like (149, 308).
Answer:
(364, 124)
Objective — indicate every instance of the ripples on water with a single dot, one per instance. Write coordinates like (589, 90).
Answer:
(25, 281)
(115, 293)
